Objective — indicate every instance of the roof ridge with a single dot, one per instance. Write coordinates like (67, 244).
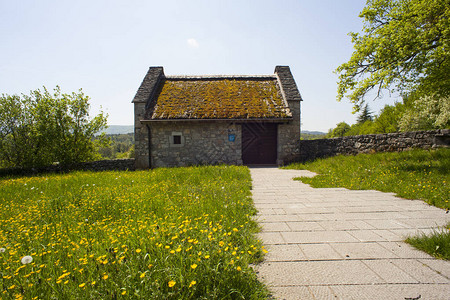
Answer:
(193, 77)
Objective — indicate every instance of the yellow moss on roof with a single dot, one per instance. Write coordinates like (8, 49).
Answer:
(219, 99)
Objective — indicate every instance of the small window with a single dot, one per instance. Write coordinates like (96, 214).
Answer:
(177, 139)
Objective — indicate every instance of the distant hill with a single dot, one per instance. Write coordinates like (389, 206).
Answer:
(314, 132)
(119, 129)
(312, 135)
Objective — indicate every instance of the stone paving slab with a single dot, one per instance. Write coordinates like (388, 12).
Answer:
(342, 244)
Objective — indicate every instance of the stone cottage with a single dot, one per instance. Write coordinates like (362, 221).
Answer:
(193, 120)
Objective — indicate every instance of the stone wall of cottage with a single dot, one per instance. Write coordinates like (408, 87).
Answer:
(351, 145)
(289, 134)
(202, 143)
(145, 93)
(141, 138)
(289, 137)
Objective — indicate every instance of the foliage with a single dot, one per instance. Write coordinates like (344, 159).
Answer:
(339, 131)
(415, 174)
(179, 233)
(424, 113)
(43, 128)
(427, 112)
(436, 244)
(388, 119)
(365, 115)
(386, 122)
(404, 45)
(360, 128)
(120, 146)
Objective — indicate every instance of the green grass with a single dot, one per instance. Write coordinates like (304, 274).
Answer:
(415, 174)
(436, 244)
(180, 233)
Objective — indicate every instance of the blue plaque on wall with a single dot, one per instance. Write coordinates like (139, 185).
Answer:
(231, 137)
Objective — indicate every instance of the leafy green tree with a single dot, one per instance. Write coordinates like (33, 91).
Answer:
(425, 113)
(388, 119)
(119, 146)
(339, 131)
(43, 128)
(404, 45)
(361, 128)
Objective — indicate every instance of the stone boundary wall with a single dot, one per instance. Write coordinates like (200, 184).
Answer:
(100, 165)
(388, 142)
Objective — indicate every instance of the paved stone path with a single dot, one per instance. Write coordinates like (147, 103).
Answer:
(342, 244)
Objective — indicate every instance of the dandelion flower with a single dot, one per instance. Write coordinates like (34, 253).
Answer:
(238, 268)
(171, 283)
(193, 282)
(138, 250)
(124, 292)
(206, 256)
(105, 276)
(82, 285)
(142, 275)
(26, 259)
(194, 266)
(2, 250)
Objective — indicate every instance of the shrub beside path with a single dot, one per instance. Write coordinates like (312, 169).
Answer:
(336, 243)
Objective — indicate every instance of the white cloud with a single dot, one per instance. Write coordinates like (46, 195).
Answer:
(192, 43)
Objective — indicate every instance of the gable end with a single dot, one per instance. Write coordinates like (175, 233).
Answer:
(149, 85)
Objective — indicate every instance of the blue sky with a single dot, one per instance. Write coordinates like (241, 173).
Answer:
(106, 47)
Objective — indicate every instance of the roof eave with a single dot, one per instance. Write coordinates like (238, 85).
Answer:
(237, 120)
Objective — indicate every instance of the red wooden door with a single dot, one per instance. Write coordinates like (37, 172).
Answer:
(259, 143)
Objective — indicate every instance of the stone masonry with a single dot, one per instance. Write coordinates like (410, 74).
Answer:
(203, 143)
(289, 134)
(207, 141)
(141, 134)
(351, 145)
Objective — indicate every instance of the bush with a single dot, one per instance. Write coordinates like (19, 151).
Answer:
(43, 128)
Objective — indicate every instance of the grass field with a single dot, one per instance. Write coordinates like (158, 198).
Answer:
(416, 174)
(181, 233)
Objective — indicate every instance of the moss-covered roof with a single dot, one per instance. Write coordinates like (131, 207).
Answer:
(218, 98)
